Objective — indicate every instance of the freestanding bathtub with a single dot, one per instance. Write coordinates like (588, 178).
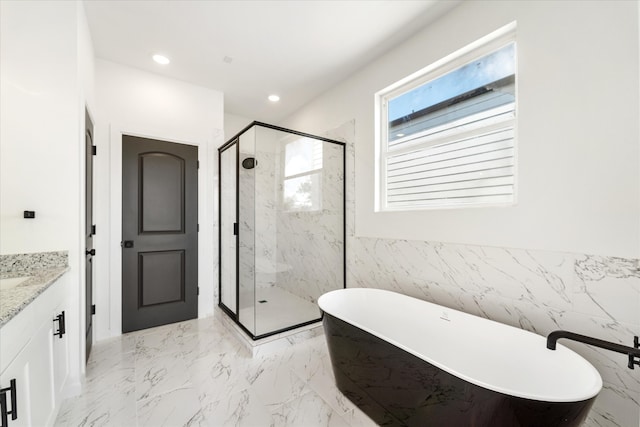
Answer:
(408, 362)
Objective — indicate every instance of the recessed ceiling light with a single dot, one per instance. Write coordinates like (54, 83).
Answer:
(161, 59)
(274, 98)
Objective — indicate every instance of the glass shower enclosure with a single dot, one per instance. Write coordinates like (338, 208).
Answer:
(282, 227)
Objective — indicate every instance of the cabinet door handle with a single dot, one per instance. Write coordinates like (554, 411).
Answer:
(3, 403)
(61, 326)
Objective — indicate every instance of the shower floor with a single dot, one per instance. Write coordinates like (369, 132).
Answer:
(280, 310)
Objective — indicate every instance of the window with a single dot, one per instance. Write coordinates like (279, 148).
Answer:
(302, 184)
(447, 136)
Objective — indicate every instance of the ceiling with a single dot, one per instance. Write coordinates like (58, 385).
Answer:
(296, 49)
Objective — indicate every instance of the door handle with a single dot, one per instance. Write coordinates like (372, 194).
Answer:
(3, 402)
(128, 243)
(91, 252)
(60, 318)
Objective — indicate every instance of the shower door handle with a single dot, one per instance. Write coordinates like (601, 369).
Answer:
(235, 228)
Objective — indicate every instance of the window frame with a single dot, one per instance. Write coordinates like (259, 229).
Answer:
(473, 51)
(319, 172)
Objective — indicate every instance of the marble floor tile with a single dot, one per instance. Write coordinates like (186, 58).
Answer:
(161, 375)
(274, 382)
(179, 407)
(97, 410)
(308, 410)
(196, 373)
(239, 409)
(218, 376)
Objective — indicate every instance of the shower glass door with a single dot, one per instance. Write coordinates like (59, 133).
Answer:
(228, 185)
(246, 224)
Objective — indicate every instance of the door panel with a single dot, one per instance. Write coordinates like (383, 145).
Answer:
(159, 231)
(161, 277)
(162, 193)
(88, 234)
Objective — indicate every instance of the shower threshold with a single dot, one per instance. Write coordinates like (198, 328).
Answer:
(272, 343)
(278, 309)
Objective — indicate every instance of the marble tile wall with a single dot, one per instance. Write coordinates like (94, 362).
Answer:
(312, 243)
(539, 291)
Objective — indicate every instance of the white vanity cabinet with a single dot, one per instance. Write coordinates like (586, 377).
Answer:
(37, 360)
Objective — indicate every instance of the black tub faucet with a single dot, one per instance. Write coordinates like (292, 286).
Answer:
(632, 352)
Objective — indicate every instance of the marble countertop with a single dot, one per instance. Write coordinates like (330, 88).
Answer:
(38, 277)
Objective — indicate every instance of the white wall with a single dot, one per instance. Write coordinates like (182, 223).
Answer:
(578, 128)
(39, 125)
(46, 79)
(234, 124)
(139, 103)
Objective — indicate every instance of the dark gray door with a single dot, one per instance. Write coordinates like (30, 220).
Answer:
(159, 233)
(89, 231)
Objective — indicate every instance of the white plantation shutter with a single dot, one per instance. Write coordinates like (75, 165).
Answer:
(468, 169)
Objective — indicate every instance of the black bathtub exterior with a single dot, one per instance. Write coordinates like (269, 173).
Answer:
(396, 388)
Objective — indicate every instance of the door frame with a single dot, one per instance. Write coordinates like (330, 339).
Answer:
(88, 119)
(207, 212)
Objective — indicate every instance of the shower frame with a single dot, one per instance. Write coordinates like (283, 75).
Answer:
(228, 145)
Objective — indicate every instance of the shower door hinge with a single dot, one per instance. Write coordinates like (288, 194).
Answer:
(94, 150)
(235, 228)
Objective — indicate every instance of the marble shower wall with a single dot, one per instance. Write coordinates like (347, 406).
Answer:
(265, 216)
(311, 243)
(539, 291)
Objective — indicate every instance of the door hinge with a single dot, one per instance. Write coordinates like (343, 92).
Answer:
(198, 290)
(93, 309)
(197, 164)
(235, 228)
(198, 227)
(93, 230)
(94, 150)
